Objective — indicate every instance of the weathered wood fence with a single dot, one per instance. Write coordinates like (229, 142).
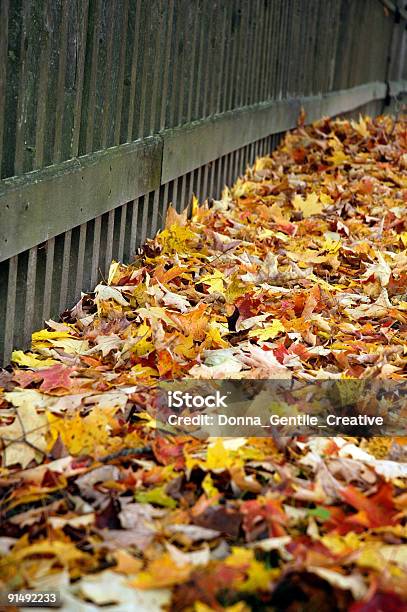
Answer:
(111, 108)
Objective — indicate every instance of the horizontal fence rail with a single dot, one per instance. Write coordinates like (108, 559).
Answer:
(110, 109)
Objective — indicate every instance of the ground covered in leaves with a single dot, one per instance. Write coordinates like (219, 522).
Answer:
(299, 271)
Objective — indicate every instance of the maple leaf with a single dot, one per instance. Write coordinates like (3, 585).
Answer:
(214, 281)
(255, 574)
(193, 323)
(44, 337)
(177, 238)
(84, 435)
(360, 127)
(25, 439)
(175, 218)
(269, 332)
(30, 360)
(338, 158)
(310, 206)
(72, 346)
(56, 377)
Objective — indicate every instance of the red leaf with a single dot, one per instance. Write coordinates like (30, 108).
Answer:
(56, 377)
(377, 509)
(248, 306)
(25, 377)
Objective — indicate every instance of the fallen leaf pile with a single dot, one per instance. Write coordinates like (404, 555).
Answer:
(299, 271)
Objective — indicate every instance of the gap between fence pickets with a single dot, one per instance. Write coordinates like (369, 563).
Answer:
(39, 205)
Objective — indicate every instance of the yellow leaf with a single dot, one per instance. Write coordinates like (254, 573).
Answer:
(143, 345)
(258, 576)
(143, 371)
(185, 346)
(235, 289)
(161, 572)
(25, 439)
(325, 199)
(310, 206)
(114, 267)
(31, 361)
(213, 337)
(340, 545)
(209, 487)
(195, 207)
(71, 346)
(44, 334)
(360, 127)
(332, 246)
(240, 557)
(150, 421)
(268, 333)
(215, 282)
(370, 557)
(219, 457)
(338, 158)
(66, 552)
(177, 238)
(88, 435)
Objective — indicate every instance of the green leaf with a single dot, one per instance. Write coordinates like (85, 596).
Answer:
(156, 496)
(319, 512)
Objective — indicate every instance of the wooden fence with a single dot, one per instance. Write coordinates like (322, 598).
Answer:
(109, 109)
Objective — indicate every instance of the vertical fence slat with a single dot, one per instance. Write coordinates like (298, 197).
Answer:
(134, 64)
(133, 230)
(80, 260)
(144, 84)
(121, 76)
(42, 85)
(123, 217)
(65, 270)
(60, 89)
(49, 265)
(154, 217)
(10, 307)
(166, 68)
(159, 34)
(95, 252)
(109, 241)
(144, 218)
(81, 23)
(29, 309)
(4, 12)
(106, 95)
(22, 93)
